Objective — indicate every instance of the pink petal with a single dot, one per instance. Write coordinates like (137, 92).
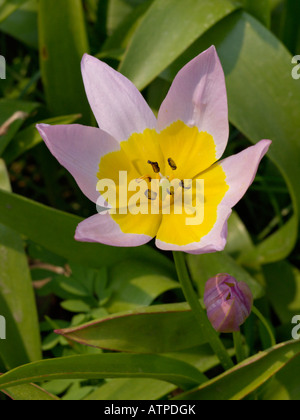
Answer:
(103, 229)
(241, 170)
(213, 242)
(118, 106)
(79, 149)
(198, 97)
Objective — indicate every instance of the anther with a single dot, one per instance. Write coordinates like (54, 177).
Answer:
(171, 191)
(151, 195)
(155, 166)
(172, 164)
(184, 187)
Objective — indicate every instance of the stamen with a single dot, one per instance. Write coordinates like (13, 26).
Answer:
(171, 191)
(183, 186)
(155, 166)
(151, 195)
(172, 164)
(144, 178)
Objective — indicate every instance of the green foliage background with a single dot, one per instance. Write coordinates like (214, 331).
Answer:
(145, 344)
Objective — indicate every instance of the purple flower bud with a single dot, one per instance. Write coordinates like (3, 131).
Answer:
(228, 303)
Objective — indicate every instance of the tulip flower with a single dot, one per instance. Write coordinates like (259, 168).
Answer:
(184, 143)
(228, 303)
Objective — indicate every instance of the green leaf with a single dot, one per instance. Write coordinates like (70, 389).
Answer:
(131, 390)
(61, 49)
(123, 34)
(240, 381)
(135, 283)
(284, 386)
(7, 7)
(261, 9)
(101, 366)
(167, 30)
(285, 298)
(29, 392)
(290, 27)
(118, 11)
(22, 343)
(76, 306)
(239, 240)
(30, 137)
(203, 267)
(12, 115)
(157, 329)
(147, 389)
(275, 248)
(22, 24)
(271, 108)
(56, 231)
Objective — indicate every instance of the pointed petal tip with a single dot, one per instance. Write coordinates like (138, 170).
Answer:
(267, 143)
(212, 48)
(41, 127)
(85, 58)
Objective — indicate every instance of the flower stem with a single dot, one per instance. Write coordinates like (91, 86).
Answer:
(199, 313)
(265, 324)
(239, 349)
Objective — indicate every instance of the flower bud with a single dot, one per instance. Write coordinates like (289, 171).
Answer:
(228, 303)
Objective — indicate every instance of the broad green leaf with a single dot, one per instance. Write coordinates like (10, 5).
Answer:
(157, 329)
(123, 34)
(134, 3)
(12, 115)
(271, 108)
(275, 3)
(243, 379)
(203, 267)
(102, 366)
(283, 289)
(167, 30)
(118, 11)
(58, 386)
(22, 24)
(7, 7)
(77, 392)
(62, 46)
(285, 385)
(290, 26)
(131, 390)
(146, 389)
(239, 240)
(275, 248)
(29, 392)
(30, 137)
(55, 230)
(76, 306)
(22, 343)
(261, 9)
(202, 357)
(135, 283)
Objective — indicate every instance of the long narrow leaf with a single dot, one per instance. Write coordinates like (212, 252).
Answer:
(101, 366)
(22, 343)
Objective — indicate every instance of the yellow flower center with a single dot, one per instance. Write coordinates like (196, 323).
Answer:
(157, 166)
